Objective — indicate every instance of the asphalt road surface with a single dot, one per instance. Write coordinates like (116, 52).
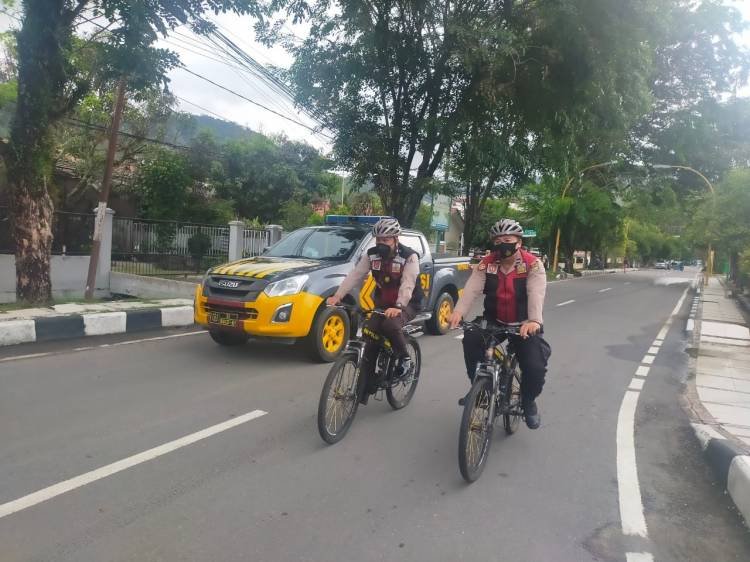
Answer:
(260, 485)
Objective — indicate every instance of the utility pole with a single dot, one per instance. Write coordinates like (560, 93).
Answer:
(106, 185)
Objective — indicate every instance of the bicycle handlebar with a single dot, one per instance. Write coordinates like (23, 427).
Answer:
(497, 328)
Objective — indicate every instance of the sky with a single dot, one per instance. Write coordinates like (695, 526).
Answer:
(197, 96)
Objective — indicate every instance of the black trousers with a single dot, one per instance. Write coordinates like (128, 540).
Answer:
(533, 354)
(390, 328)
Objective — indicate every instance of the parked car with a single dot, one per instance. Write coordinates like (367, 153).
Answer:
(279, 296)
(661, 265)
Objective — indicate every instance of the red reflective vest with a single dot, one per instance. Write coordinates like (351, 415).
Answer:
(387, 274)
(505, 295)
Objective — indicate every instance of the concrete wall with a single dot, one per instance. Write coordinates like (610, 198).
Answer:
(150, 287)
(68, 277)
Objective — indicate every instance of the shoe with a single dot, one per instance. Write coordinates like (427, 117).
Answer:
(402, 368)
(462, 400)
(531, 415)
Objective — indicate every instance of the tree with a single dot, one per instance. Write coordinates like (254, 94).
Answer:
(723, 222)
(52, 88)
(393, 80)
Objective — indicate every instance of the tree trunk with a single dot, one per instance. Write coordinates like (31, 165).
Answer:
(32, 232)
(29, 161)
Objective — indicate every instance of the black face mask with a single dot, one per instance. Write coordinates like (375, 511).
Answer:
(384, 250)
(504, 249)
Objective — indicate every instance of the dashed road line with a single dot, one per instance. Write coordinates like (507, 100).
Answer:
(605, 290)
(566, 303)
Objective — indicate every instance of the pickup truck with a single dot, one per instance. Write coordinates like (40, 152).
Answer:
(279, 296)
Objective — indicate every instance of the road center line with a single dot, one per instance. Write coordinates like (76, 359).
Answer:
(118, 466)
(605, 290)
(566, 302)
(642, 371)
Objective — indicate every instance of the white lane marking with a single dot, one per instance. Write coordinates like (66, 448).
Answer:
(653, 350)
(663, 332)
(102, 346)
(130, 342)
(627, 282)
(639, 557)
(648, 359)
(642, 371)
(636, 384)
(690, 325)
(118, 466)
(631, 507)
(28, 356)
(566, 302)
(605, 290)
(657, 343)
(629, 490)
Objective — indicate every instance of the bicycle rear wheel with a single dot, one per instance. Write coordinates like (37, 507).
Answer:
(339, 399)
(400, 392)
(475, 435)
(512, 417)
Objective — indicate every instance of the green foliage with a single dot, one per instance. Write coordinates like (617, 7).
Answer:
(295, 214)
(164, 182)
(423, 220)
(198, 245)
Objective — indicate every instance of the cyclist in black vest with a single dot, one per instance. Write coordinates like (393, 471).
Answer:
(395, 269)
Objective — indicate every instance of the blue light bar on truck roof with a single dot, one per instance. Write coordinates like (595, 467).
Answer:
(352, 219)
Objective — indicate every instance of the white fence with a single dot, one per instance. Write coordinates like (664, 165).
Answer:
(254, 242)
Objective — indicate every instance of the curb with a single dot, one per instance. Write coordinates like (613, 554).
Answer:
(729, 463)
(44, 329)
(731, 466)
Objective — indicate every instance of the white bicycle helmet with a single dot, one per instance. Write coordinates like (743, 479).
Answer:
(504, 227)
(386, 227)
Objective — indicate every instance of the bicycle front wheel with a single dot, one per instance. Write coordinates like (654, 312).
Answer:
(512, 416)
(339, 399)
(475, 435)
(400, 392)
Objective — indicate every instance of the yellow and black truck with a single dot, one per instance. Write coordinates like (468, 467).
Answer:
(280, 296)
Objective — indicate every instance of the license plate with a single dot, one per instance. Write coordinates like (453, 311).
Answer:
(228, 319)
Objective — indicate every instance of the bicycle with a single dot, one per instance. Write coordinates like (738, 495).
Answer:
(343, 387)
(495, 392)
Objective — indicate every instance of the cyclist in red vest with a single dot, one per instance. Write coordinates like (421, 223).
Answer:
(514, 283)
(395, 269)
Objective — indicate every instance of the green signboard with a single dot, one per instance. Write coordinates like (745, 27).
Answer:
(529, 233)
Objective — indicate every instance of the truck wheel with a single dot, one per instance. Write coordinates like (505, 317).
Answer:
(329, 334)
(441, 314)
(228, 338)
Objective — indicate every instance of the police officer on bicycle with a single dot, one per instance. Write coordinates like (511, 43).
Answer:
(514, 284)
(395, 269)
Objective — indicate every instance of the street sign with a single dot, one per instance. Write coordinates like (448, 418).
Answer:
(529, 233)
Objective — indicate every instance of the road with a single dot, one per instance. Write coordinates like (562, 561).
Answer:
(268, 489)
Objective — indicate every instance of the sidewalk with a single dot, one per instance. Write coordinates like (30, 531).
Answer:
(721, 400)
(73, 320)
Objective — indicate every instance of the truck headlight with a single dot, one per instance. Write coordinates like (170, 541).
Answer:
(286, 287)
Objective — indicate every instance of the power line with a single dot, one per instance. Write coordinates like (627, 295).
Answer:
(254, 102)
(92, 126)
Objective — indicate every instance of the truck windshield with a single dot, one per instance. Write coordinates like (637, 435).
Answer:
(318, 243)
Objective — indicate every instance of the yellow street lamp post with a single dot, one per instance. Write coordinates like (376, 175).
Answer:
(710, 253)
